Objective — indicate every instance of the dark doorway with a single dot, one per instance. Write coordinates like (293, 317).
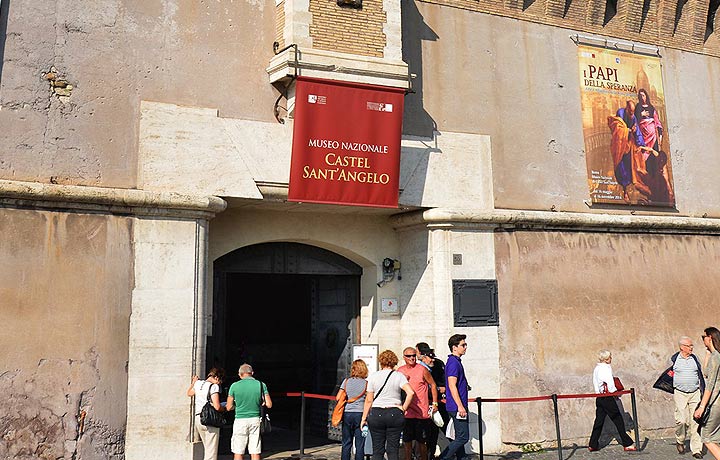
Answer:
(291, 311)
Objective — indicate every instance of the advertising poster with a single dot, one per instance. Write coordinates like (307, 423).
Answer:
(627, 146)
(346, 143)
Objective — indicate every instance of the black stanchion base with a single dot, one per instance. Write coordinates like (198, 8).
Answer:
(302, 456)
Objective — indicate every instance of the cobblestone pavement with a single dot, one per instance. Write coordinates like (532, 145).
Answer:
(655, 449)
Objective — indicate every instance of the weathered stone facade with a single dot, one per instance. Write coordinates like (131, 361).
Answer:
(66, 307)
(122, 122)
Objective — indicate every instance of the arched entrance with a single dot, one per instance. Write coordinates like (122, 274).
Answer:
(292, 311)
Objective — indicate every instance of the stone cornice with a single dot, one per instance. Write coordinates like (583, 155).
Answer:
(38, 195)
(508, 219)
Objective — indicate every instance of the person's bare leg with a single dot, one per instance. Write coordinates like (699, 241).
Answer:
(408, 450)
(714, 449)
(423, 450)
(254, 456)
(237, 456)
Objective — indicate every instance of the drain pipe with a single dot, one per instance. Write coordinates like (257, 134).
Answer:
(200, 309)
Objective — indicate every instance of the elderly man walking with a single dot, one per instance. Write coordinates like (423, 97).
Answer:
(688, 385)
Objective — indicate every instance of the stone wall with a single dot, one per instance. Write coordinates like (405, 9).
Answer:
(65, 286)
(566, 295)
(680, 25)
(114, 54)
(523, 91)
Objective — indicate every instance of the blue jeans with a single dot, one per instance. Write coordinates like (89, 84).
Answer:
(456, 448)
(351, 430)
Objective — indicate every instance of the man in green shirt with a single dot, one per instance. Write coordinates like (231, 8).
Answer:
(245, 397)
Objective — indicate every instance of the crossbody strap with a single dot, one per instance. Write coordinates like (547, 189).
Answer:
(262, 400)
(383, 387)
(352, 400)
(209, 390)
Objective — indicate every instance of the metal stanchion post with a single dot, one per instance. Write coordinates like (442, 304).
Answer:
(557, 425)
(478, 400)
(635, 419)
(302, 424)
(302, 454)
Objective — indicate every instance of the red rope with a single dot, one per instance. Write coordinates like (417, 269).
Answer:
(530, 398)
(493, 400)
(594, 395)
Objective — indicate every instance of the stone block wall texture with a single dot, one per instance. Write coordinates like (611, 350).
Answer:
(524, 93)
(115, 54)
(566, 295)
(348, 30)
(65, 286)
(680, 25)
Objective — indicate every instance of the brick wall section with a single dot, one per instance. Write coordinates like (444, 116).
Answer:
(348, 30)
(280, 24)
(645, 21)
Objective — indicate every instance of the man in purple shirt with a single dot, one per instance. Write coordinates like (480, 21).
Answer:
(457, 398)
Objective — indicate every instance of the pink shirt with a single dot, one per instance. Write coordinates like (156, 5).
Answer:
(420, 403)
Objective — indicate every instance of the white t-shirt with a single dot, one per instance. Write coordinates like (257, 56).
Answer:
(201, 388)
(390, 395)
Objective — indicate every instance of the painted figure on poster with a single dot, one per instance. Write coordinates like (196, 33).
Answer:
(636, 135)
(648, 120)
(625, 137)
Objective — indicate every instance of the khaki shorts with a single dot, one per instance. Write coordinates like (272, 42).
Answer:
(246, 434)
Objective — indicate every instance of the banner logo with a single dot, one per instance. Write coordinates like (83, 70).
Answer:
(380, 106)
(315, 99)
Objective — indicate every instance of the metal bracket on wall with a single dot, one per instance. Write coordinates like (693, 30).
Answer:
(284, 92)
(620, 45)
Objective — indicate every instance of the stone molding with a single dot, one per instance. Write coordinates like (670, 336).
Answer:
(333, 65)
(108, 200)
(509, 219)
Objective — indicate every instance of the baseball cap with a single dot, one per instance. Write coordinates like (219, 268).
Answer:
(425, 349)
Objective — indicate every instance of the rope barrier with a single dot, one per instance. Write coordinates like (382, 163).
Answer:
(479, 400)
(485, 400)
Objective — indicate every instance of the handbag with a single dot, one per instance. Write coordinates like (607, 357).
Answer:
(618, 384)
(209, 416)
(339, 409)
(265, 426)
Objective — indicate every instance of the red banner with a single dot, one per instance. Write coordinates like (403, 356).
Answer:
(346, 143)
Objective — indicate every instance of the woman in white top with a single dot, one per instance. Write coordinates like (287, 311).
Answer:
(384, 411)
(209, 435)
(604, 382)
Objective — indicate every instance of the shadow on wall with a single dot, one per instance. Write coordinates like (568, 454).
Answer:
(416, 120)
(4, 11)
(416, 163)
(415, 257)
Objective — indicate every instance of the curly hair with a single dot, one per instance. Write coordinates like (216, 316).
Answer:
(388, 359)
(359, 369)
